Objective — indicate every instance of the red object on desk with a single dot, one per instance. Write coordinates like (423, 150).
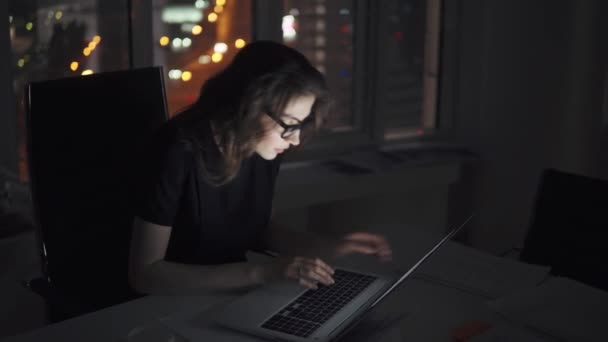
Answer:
(469, 330)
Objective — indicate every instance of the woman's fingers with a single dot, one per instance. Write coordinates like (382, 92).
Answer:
(308, 272)
(349, 247)
(318, 270)
(366, 243)
(375, 240)
(308, 283)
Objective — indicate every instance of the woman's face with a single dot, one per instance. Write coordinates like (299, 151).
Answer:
(296, 111)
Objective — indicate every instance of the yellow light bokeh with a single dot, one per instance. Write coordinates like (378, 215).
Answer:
(29, 26)
(58, 15)
(86, 51)
(87, 72)
(217, 57)
(197, 29)
(164, 41)
(220, 2)
(239, 43)
(92, 46)
(97, 39)
(74, 66)
(218, 8)
(21, 62)
(186, 76)
(212, 17)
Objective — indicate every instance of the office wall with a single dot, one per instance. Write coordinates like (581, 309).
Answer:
(422, 207)
(530, 97)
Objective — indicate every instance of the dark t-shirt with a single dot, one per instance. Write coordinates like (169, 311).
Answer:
(210, 224)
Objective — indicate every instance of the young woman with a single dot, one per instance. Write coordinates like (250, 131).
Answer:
(206, 193)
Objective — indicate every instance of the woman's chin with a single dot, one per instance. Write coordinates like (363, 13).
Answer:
(267, 155)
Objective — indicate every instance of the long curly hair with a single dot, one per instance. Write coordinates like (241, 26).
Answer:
(263, 76)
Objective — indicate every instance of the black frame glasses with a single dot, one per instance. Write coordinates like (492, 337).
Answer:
(289, 130)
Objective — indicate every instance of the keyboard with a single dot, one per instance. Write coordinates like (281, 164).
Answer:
(310, 310)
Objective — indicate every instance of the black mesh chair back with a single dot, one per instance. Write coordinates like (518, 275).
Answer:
(84, 136)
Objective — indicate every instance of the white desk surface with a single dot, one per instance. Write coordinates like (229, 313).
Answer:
(433, 310)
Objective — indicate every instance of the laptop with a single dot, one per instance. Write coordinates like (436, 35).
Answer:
(288, 312)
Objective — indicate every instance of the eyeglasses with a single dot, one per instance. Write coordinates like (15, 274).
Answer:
(289, 130)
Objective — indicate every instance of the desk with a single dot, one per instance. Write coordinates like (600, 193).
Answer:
(433, 310)
(115, 323)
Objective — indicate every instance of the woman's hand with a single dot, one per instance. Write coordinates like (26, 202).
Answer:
(308, 272)
(363, 243)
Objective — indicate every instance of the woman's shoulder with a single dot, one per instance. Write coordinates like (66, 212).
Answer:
(169, 145)
(171, 135)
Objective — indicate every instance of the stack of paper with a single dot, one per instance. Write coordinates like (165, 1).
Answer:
(559, 307)
(473, 271)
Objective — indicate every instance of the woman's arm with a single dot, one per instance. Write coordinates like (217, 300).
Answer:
(149, 272)
(285, 241)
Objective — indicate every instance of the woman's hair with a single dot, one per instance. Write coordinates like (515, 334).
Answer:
(263, 76)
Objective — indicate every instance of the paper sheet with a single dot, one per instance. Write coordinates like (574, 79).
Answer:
(480, 273)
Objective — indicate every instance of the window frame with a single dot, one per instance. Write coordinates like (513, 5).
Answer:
(447, 128)
(9, 157)
(368, 123)
(265, 13)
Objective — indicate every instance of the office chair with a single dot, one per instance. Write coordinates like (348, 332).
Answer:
(83, 137)
(569, 227)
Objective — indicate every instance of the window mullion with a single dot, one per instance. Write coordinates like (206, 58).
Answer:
(8, 117)
(266, 19)
(142, 39)
(378, 64)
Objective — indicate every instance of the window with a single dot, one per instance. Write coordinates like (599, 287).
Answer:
(193, 40)
(380, 58)
(323, 32)
(55, 39)
(387, 48)
(408, 67)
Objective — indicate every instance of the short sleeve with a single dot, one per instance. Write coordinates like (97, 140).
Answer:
(163, 183)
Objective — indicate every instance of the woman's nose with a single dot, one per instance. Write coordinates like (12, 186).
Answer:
(294, 139)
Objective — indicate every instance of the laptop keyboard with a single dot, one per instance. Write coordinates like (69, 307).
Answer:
(311, 309)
